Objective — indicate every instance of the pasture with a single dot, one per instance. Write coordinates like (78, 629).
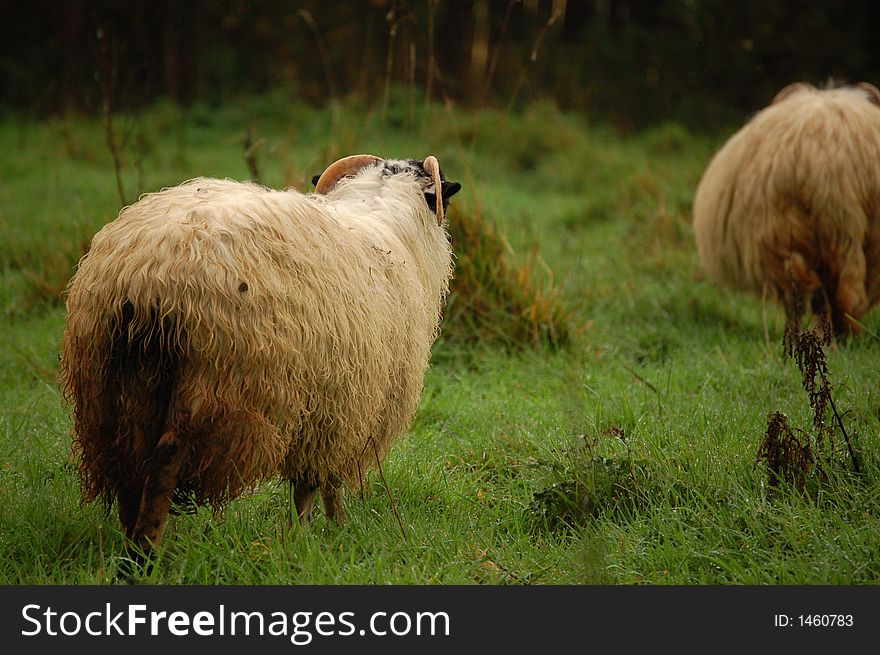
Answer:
(626, 456)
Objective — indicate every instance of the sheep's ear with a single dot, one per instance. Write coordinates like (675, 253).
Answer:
(872, 91)
(315, 179)
(450, 189)
(791, 88)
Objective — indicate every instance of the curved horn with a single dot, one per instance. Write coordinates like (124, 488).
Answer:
(432, 168)
(872, 91)
(339, 169)
(791, 88)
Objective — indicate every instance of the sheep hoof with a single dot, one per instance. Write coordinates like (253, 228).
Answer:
(304, 500)
(333, 507)
(134, 564)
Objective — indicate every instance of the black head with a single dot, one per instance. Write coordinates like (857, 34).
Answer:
(417, 168)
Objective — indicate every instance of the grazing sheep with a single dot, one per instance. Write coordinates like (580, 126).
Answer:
(219, 333)
(791, 203)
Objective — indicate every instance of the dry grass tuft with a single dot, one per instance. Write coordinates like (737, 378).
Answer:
(45, 267)
(494, 299)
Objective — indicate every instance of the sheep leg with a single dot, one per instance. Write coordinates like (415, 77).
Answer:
(331, 492)
(851, 296)
(129, 503)
(791, 304)
(304, 499)
(158, 492)
(764, 315)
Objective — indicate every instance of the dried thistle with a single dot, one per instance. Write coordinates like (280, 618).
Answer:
(250, 153)
(786, 457)
(808, 350)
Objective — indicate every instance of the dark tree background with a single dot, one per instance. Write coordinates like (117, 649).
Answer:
(632, 62)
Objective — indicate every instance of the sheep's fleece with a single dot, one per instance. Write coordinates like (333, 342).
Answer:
(792, 201)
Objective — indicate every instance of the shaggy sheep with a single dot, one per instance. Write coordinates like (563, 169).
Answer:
(791, 203)
(219, 333)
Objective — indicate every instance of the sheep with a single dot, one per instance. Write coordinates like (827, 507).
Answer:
(220, 333)
(791, 204)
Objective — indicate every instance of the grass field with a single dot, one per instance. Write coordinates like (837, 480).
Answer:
(626, 457)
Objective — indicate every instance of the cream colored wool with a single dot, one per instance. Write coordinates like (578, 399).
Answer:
(300, 328)
(794, 197)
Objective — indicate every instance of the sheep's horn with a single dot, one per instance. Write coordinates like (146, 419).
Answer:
(872, 91)
(432, 168)
(339, 169)
(791, 88)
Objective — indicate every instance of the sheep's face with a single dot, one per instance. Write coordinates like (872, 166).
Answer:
(416, 168)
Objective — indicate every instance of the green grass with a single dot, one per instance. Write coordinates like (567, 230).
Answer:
(627, 457)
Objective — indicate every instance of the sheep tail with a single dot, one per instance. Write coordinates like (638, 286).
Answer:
(144, 367)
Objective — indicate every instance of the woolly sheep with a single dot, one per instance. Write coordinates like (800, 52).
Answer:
(219, 333)
(791, 203)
